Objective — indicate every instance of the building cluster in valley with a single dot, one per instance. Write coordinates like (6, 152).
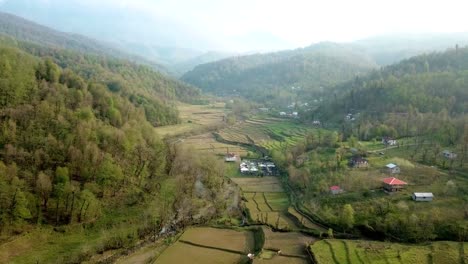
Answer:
(262, 167)
(258, 167)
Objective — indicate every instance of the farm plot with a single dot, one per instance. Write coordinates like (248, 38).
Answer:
(292, 246)
(209, 245)
(259, 184)
(207, 144)
(269, 133)
(304, 221)
(347, 251)
(277, 201)
(291, 243)
(266, 202)
(194, 117)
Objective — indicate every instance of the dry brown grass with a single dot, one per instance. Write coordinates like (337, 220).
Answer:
(207, 144)
(194, 117)
(182, 253)
(259, 184)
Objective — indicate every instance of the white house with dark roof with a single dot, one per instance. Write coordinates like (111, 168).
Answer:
(449, 154)
(392, 168)
(422, 197)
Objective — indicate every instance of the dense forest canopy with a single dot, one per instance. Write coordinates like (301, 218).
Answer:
(77, 128)
(428, 84)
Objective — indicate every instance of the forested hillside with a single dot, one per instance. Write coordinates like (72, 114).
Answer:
(76, 131)
(25, 30)
(423, 95)
(262, 76)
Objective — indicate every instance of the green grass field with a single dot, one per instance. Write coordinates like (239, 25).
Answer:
(363, 252)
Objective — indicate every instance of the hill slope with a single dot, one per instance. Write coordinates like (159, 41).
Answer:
(424, 95)
(25, 30)
(261, 75)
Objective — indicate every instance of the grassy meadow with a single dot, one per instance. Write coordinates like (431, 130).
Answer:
(193, 118)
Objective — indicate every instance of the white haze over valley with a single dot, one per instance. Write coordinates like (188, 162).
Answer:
(242, 25)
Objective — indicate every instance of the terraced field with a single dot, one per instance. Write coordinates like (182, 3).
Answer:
(268, 133)
(363, 252)
(267, 202)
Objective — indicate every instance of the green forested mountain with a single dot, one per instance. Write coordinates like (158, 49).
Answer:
(261, 76)
(426, 94)
(75, 130)
(25, 30)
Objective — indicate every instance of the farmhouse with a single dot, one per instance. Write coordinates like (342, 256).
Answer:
(393, 184)
(230, 157)
(388, 141)
(335, 190)
(449, 154)
(316, 123)
(358, 162)
(392, 168)
(422, 197)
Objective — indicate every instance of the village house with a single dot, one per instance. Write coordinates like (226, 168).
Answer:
(388, 141)
(349, 117)
(316, 123)
(393, 184)
(335, 190)
(449, 154)
(230, 157)
(422, 197)
(392, 168)
(358, 162)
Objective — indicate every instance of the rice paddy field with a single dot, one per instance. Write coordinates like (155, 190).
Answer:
(362, 252)
(209, 245)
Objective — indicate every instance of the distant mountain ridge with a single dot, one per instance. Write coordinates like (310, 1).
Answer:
(25, 30)
(310, 68)
(390, 49)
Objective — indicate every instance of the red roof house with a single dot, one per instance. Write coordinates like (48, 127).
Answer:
(393, 184)
(335, 189)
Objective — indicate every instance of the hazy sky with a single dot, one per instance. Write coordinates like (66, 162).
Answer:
(236, 24)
